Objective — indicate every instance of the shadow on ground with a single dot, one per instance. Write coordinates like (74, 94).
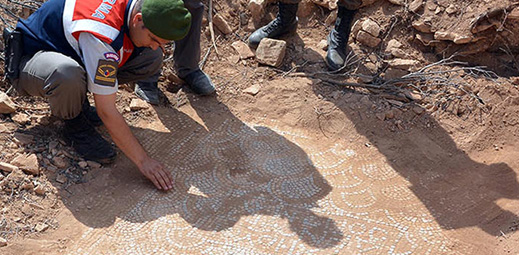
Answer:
(223, 170)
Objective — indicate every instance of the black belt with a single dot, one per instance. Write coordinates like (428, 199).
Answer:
(13, 53)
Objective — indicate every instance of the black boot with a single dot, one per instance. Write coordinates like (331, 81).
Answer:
(87, 142)
(284, 23)
(200, 83)
(148, 91)
(338, 39)
(91, 114)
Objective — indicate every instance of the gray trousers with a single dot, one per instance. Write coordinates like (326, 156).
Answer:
(349, 4)
(187, 50)
(62, 80)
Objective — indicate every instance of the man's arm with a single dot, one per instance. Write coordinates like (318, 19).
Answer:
(126, 141)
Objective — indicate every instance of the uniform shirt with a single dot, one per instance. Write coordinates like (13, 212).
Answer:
(93, 32)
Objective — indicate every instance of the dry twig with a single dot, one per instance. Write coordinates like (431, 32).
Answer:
(211, 29)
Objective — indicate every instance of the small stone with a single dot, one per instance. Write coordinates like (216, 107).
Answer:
(82, 164)
(222, 24)
(331, 18)
(40, 227)
(403, 64)
(39, 190)
(252, 90)
(3, 129)
(61, 178)
(415, 5)
(271, 52)
(138, 104)
(395, 48)
(23, 139)
(7, 167)
(371, 27)
(257, 9)
(93, 164)
(380, 115)
(444, 36)
(451, 9)
(28, 186)
(329, 4)
(323, 45)
(418, 110)
(305, 8)
(60, 162)
(243, 50)
(53, 145)
(422, 26)
(368, 39)
(21, 118)
(462, 39)
(6, 104)
(28, 163)
(390, 114)
(3, 242)
(397, 2)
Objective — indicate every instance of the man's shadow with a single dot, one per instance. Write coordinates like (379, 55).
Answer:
(223, 171)
(457, 191)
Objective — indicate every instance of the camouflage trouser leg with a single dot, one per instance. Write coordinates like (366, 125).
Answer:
(349, 4)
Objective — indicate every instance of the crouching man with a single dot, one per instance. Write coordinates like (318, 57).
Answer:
(71, 46)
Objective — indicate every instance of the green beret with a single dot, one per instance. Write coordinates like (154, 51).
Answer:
(167, 19)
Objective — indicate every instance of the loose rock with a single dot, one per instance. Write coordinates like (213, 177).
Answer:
(222, 24)
(6, 104)
(368, 39)
(138, 104)
(243, 50)
(39, 190)
(271, 52)
(252, 90)
(21, 118)
(93, 164)
(28, 163)
(40, 227)
(7, 167)
(23, 139)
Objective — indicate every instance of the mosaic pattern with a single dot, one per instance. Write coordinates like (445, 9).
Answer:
(260, 189)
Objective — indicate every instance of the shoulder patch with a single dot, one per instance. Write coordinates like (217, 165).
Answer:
(106, 73)
(112, 55)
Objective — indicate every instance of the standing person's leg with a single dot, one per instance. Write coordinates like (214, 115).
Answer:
(62, 81)
(142, 62)
(338, 38)
(284, 23)
(187, 53)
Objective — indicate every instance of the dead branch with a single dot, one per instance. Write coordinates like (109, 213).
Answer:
(211, 28)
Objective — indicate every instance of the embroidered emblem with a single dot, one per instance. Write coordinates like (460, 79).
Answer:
(112, 55)
(106, 73)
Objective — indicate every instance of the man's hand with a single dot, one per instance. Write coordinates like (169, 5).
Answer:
(156, 172)
(126, 141)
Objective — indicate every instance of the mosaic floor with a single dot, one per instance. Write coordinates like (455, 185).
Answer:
(261, 189)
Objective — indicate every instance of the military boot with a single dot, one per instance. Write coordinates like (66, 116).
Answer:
(338, 39)
(148, 91)
(87, 142)
(284, 23)
(91, 114)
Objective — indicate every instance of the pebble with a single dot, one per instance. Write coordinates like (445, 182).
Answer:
(40, 227)
(93, 164)
(61, 178)
(39, 190)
